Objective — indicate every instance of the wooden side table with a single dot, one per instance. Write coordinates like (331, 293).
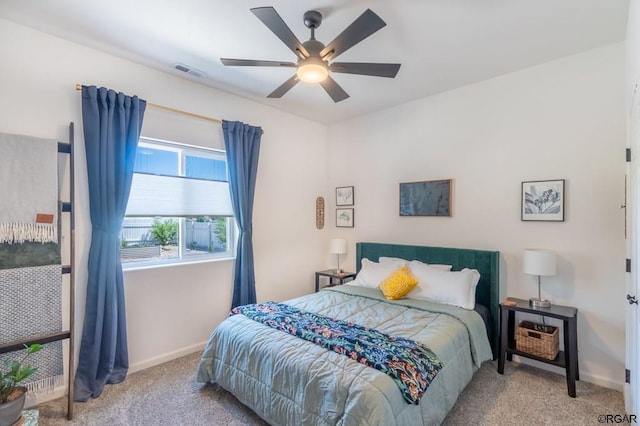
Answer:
(567, 359)
(335, 278)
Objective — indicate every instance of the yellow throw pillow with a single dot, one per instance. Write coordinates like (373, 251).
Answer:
(398, 284)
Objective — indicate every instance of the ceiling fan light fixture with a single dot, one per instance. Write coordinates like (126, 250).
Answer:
(313, 56)
(312, 70)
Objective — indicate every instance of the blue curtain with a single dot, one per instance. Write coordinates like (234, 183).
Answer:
(112, 123)
(242, 143)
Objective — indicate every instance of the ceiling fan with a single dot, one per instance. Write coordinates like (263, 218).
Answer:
(314, 58)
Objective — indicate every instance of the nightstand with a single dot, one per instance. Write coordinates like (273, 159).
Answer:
(567, 359)
(334, 277)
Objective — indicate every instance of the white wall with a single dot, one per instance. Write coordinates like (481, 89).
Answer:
(172, 310)
(633, 46)
(560, 120)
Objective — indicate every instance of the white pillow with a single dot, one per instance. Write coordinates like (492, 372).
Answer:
(437, 265)
(397, 259)
(457, 288)
(383, 259)
(372, 273)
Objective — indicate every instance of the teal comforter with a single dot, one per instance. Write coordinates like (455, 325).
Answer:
(288, 381)
(409, 363)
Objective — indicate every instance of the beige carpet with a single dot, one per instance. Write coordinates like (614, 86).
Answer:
(168, 395)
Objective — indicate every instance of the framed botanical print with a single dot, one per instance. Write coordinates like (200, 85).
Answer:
(543, 200)
(344, 196)
(344, 218)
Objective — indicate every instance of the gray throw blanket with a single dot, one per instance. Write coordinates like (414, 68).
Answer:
(28, 189)
(30, 305)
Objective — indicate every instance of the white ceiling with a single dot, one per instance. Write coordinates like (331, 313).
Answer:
(441, 44)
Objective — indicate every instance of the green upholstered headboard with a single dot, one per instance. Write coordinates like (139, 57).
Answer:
(486, 262)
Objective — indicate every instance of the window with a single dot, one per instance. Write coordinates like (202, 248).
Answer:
(179, 208)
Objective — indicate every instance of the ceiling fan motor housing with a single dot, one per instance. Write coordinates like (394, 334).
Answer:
(314, 47)
(312, 19)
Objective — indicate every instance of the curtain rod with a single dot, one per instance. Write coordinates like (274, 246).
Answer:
(177, 111)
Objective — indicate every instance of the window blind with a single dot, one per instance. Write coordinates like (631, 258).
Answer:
(166, 196)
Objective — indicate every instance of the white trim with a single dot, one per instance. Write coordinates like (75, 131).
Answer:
(137, 266)
(61, 391)
(632, 250)
(170, 356)
(606, 382)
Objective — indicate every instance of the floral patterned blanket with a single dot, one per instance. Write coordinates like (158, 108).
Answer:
(410, 364)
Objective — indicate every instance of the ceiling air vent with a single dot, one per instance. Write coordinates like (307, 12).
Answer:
(191, 71)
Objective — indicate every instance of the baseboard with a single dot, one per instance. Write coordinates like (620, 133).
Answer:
(602, 381)
(170, 356)
(61, 391)
(606, 382)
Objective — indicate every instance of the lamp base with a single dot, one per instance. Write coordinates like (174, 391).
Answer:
(535, 303)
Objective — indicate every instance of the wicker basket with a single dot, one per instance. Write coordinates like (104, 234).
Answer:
(537, 339)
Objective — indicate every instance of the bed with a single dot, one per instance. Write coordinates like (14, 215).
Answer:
(290, 381)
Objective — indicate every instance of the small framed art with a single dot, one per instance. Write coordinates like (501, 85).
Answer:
(344, 196)
(428, 198)
(543, 200)
(344, 218)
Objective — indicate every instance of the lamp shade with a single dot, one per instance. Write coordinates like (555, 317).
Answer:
(539, 262)
(338, 246)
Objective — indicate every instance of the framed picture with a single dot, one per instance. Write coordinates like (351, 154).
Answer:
(429, 198)
(344, 218)
(543, 200)
(344, 196)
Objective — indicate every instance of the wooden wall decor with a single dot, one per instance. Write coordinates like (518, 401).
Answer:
(320, 212)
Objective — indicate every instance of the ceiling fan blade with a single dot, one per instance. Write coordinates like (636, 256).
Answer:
(334, 90)
(284, 87)
(254, 63)
(366, 24)
(274, 22)
(364, 68)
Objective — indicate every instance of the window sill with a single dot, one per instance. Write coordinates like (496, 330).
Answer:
(168, 264)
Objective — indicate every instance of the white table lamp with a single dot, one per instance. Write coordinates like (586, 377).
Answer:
(539, 262)
(338, 246)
